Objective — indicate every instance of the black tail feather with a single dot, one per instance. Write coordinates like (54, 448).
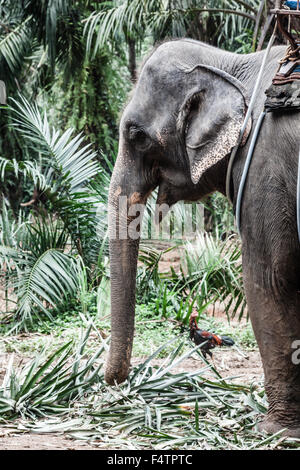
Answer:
(226, 341)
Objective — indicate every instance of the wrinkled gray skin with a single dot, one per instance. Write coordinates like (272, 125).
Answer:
(176, 133)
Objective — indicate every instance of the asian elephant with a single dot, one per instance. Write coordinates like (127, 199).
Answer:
(176, 133)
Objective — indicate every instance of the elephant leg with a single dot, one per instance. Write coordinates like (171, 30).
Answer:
(274, 305)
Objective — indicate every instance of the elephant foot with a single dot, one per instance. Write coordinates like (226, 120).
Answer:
(271, 426)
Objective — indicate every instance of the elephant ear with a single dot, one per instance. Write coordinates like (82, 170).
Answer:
(211, 118)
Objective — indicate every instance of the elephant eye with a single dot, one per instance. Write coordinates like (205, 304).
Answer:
(139, 138)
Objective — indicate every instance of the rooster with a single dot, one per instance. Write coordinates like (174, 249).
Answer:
(211, 340)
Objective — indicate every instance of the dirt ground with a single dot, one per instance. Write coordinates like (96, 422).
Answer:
(245, 367)
(13, 441)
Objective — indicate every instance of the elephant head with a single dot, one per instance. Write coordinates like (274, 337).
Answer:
(177, 131)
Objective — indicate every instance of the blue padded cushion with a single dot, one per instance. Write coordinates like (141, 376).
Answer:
(292, 4)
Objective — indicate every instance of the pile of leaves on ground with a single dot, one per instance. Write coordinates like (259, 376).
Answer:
(155, 408)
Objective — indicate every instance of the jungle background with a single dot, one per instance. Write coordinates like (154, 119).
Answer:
(68, 67)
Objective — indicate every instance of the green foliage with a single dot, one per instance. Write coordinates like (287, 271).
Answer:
(91, 100)
(222, 216)
(45, 387)
(211, 271)
(244, 42)
(34, 265)
(71, 313)
(68, 156)
(33, 250)
(39, 38)
(157, 407)
(222, 19)
(67, 166)
(16, 40)
(215, 268)
(14, 45)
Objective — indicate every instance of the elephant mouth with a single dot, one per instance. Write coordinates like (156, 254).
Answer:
(164, 201)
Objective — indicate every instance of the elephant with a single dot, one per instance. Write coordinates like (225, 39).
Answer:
(177, 132)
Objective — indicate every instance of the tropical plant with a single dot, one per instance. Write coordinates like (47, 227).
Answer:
(219, 21)
(210, 271)
(26, 27)
(220, 216)
(48, 386)
(34, 265)
(16, 41)
(42, 55)
(213, 270)
(67, 165)
(39, 251)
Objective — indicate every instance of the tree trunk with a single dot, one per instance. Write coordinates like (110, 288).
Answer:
(132, 60)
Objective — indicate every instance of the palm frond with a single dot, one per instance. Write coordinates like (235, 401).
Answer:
(136, 18)
(35, 265)
(15, 44)
(11, 236)
(74, 160)
(47, 386)
(215, 268)
(45, 282)
(27, 169)
(67, 168)
(116, 18)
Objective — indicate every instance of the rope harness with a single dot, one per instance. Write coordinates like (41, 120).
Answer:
(284, 93)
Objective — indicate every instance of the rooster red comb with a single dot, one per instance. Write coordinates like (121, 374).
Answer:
(193, 320)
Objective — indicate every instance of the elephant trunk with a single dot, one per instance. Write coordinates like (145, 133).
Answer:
(123, 261)
(123, 265)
